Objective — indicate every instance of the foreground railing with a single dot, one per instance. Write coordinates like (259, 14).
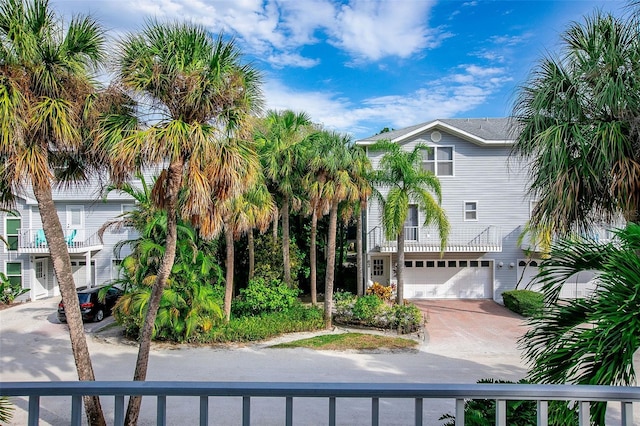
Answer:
(501, 393)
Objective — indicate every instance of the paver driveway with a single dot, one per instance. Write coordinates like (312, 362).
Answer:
(34, 346)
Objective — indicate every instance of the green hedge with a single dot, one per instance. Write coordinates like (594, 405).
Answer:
(524, 302)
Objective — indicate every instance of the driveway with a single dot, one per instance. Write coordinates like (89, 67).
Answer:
(465, 341)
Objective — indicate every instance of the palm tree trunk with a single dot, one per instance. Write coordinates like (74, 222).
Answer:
(312, 258)
(228, 287)
(62, 268)
(400, 269)
(275, 228)
(252, 253)
(359, 254)
(285, 242)
(331, 263)
(174, 182)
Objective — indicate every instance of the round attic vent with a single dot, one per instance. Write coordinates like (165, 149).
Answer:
(436, 136)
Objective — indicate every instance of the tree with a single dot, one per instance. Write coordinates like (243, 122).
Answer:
(281, 148)
(361, 173)
(577, 119)
(46, 92)
(201, 95)
(400, 174)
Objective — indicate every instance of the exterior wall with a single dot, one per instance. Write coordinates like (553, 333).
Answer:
(481, 174)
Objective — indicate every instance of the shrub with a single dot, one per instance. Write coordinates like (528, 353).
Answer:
(10, 291)
(406, 318)
(482, 412)
(524, 302)
(383, 292)
(251, 328)
(367, 307)
(262, 296)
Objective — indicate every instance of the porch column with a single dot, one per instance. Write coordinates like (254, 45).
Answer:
(87, 270)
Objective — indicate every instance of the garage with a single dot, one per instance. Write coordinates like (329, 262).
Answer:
(448, 279)
(577, 286)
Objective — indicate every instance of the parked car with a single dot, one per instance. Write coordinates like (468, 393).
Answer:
(92, 308)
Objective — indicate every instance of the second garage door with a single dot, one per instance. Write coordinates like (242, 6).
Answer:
(448, 279)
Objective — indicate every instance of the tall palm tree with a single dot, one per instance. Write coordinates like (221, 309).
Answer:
(332, 158)
(578, 120)
(281, 147)
(252, 209)
(200, 93)
(45, 92)
(401, 176)
(361, 172)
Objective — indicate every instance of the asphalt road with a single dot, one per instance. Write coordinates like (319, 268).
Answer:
(34, 346)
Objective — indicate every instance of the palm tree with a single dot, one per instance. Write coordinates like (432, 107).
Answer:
(361, 173)
(252, 209)
(45, 92)
(200, 94)
(590, 341)
(577, 119)
(281, 148)
(400, 174)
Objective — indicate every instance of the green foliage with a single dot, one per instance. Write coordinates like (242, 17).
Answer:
(262, 296)
(10, 291)
(268, 258)
(524, 302)
(482, 412)
(251, 328)
(383, 292)
(371, 311)
(367, 307)
(587, 341)
(6, 410)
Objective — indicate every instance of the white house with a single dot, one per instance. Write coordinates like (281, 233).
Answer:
(485, 198)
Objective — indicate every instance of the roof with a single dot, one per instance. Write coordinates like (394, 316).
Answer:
(482, 131)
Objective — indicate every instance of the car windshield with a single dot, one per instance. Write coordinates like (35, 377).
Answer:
(84, 297)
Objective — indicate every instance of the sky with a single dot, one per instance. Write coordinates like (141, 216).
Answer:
(358, 66)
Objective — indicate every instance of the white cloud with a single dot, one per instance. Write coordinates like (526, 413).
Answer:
(292, 60)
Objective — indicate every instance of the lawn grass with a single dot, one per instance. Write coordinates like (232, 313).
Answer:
(353, 341)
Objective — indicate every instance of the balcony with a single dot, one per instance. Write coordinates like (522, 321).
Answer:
(598, 234)
(282, 396)
(33, 241)
(420, 239)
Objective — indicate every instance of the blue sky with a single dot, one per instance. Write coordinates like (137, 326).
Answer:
(358, 66)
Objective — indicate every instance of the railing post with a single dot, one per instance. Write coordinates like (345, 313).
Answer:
(289, 411)
(418, 412)
(76, 410)
(627, 413)
(332, 411)
(246, 411)
(542, 413)
(204, 410)
(118, 411)
(501, 412)
(583, 413)
(375, 411)
(34, 410)
(161, 409)
(459, 412)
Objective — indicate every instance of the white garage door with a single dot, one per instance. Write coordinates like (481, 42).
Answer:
(577, 286)
(448, 279)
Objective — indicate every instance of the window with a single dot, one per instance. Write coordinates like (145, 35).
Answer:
(431, 264)
(12, 228)
(473, 263)
(462, 263)
(419, 264)
(116, 270)
(438, 160)
(408, 264)
(485, 263)
(14, 272)
(451, 264)
(411, 224)
(378, 267)
(470, 210)
(441, 263)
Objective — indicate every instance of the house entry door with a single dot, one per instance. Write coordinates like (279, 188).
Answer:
(40, 282)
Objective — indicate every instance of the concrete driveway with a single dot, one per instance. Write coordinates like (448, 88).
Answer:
(465, 341)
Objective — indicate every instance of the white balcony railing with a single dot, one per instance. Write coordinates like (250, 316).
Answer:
(581, 396)
(78, 241)
(421, 239)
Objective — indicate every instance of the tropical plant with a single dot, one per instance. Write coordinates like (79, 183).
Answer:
(200, 98)
(577, 124)
(9, 291)
(268, 258)
(261, 296)
(6, 410)
(46, 96)
(281, 144)
(591, 340)
(401, 175)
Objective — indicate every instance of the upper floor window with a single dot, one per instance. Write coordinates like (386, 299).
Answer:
(438, 160)
(470, 210)
(12, 228)
(411, 224)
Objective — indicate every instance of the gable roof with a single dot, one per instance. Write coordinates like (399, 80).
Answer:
(481, 131)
